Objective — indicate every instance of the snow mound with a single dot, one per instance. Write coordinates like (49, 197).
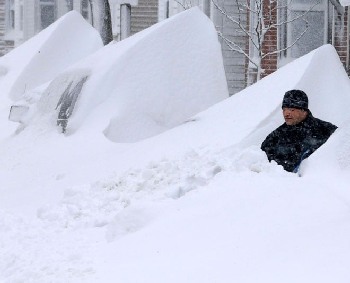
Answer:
(333, 156)
(150, 82)
(44, 56)
(199, 202)
(345, 2)
(328, 89)
(250, 115)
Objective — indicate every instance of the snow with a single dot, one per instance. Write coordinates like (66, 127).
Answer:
(194, 70)
(198, 202)
(42, 58)
(344, 2)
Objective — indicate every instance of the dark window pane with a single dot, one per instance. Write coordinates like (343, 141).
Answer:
(314, 22)
(47, 14)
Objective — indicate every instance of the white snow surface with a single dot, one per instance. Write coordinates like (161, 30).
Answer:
(182, 52)
(41, 59)
(44, 56)
(345, 2)
(197, 203)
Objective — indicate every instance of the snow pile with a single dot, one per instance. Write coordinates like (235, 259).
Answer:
(116, 207)
(44, 56)
(197, 203)
(40, 59)
(345, 2)
(249, 116)
(241, 227)
(330, 106)
(129, 82)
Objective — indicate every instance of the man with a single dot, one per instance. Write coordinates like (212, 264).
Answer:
(299, 136)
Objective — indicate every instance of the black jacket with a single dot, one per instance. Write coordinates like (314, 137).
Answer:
(289, 145)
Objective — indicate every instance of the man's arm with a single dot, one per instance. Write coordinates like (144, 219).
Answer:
(269, 145)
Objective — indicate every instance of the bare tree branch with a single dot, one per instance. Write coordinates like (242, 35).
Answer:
(262, 22)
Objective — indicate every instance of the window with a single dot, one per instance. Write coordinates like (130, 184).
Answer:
(47, 13)
(314, 24)
(299, 19)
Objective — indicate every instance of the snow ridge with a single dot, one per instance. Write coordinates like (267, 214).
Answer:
(117, 206)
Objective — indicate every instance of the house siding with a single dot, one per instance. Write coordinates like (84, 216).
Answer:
(29, 19)
(144, 15)
(2, 27)
(235, 63)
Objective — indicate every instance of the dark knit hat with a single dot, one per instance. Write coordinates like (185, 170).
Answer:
(295, 99)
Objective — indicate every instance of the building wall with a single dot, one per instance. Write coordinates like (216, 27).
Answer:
(341, 36)
(2, 27)
(269, 64)
(235, 63)
(29, 19)
(61, 8)
(19, 23)
(144, 15)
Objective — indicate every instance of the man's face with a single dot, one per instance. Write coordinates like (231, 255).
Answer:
(294, 116)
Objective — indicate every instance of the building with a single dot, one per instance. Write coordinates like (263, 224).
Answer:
(22, 19)
(297, 27)
(235, 20)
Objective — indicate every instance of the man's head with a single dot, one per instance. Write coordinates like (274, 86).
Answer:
(295, 107)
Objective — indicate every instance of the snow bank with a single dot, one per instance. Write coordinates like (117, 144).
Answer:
(250, 115)
(44, 56)
(197, 203)
(239, 228)
(40, 59)
(332, 159)
(345, 2)
(328, 89)
(151, 82)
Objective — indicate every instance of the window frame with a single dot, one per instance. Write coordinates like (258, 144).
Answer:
(286, 39)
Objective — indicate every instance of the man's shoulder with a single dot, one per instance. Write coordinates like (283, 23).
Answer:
(277, 132)
(316, 122)
(280, 129)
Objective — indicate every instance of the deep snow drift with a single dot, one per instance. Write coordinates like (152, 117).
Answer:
(345, 2)
(197, 203)
(42, 58)
(182, 52)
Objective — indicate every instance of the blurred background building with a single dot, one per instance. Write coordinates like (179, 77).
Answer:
(327, 22)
